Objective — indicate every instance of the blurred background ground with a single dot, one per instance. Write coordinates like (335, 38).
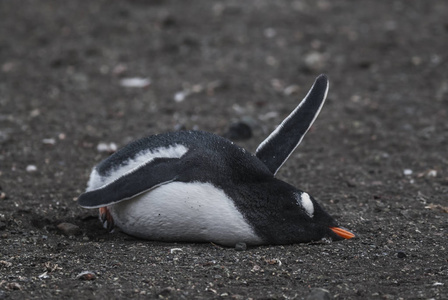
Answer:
(376, 158)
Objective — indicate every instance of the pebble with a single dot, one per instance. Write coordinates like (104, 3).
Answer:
(431, 173)
(44, 275)
(14, 286)
(180, 96)
(69, 229)
(86, 275)
(49, 141)
(319, 294)
(34, 113)
(314, 61)
(31, 168)
(165, 292)
(401, 254)
(240, 246)
(119, 69)
(104, 147)
(135, 82)
(407, 172)
(5, 263)
(174, 250)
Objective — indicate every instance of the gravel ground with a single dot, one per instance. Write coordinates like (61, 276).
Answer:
(376, 158)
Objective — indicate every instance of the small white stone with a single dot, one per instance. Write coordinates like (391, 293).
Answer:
(31, 168)
(49, 141)
(180, 96)
(86, 275)
(432, 173)
(315, 61)
(407, 172)
(104, 147)
(135, 82)
(34, 113)
(44, 275)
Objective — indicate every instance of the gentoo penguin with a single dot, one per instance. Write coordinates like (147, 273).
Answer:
(194, 186)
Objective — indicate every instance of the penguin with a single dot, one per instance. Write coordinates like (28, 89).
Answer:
(195, 186)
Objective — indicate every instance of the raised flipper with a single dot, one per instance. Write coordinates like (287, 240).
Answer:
(279, 145)
(157, 172)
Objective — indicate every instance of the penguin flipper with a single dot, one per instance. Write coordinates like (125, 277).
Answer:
(149, 176)
(279, 145)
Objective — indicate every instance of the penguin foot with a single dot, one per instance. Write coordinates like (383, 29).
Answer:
(106, 219)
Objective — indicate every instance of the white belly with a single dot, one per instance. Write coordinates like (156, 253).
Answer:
(191, 212)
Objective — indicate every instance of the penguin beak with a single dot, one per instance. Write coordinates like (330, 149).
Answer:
(343, 233)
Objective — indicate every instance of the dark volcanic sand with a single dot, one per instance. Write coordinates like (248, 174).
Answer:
(61, 65)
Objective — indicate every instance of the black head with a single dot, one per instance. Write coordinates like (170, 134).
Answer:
(293, 216)
(314, 219)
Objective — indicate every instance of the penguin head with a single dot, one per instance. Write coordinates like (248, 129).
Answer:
(298, 218)
(314, 222)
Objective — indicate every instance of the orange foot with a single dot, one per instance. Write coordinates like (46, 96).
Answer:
(106, 219)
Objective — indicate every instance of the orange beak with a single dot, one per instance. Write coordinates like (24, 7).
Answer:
(343, 233)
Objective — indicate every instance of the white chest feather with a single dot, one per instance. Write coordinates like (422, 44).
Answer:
(195, 212)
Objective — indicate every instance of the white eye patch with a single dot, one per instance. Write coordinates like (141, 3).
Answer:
(304, 200)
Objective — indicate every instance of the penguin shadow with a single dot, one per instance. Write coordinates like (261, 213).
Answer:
(196, 187)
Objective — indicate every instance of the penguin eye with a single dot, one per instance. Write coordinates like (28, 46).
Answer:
(304, 200)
